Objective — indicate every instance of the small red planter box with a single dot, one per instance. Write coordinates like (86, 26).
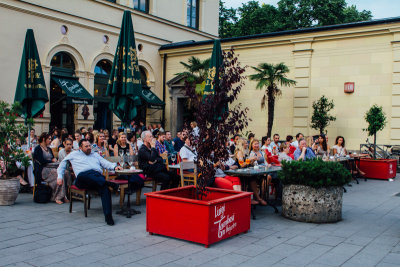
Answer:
(177, 213)
(379, 168)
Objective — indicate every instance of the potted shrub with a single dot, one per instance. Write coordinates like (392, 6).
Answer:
(377, 168)
(313, 190)
(10, 153)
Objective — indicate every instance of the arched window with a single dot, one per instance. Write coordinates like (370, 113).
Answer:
(103, 67)
(143, 76)
(102, 73)
(62, 60)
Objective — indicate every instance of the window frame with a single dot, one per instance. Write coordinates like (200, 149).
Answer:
(190, 14)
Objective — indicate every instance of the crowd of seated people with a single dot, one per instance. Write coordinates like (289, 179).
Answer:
(149, 145)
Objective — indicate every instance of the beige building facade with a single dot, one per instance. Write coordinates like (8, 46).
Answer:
(321, 60)
(83, 34)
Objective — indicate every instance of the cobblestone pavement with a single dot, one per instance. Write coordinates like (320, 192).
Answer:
(47, 235)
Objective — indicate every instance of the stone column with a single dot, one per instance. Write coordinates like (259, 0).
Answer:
(302, 73)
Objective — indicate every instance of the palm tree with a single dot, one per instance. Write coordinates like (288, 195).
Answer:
(195, 70)
(270, 76)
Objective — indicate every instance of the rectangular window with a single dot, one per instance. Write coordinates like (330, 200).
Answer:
(193, 13)
(142, 5)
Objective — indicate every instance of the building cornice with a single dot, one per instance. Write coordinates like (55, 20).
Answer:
(68, 18)
(285, 38)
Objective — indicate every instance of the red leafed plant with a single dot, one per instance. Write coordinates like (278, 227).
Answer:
(218, 118)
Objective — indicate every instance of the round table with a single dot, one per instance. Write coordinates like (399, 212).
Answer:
(128, 211)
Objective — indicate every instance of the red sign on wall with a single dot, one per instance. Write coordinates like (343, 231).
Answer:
(349, 87)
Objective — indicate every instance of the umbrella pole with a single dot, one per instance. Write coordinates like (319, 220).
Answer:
(29, 136)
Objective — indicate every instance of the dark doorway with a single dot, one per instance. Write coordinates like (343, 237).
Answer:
(102, 113)
(61, 113)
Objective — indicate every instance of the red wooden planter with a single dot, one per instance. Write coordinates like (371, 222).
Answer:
(379, 168)
(177, 213)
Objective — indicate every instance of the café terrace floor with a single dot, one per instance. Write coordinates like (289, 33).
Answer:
(47, 235)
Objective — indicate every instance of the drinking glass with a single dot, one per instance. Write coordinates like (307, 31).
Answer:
(121, 158)
(173, 158)
(130, 161)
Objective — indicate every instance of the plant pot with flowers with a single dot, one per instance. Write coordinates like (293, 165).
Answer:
(313, 190)
(10, 133)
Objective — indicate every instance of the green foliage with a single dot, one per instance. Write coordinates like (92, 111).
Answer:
(254, 18)
(321, 118)
(195, 70)
(10, 131)
(315, 173)
(376, 119)
(269, 76)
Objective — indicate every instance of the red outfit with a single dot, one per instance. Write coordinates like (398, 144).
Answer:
(226, 182)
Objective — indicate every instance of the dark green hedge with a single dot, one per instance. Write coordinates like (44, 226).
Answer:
(315, 173)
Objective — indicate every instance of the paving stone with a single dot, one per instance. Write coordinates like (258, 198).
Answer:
(358, 240)
(263, 259)
(301, 240)
(227, 260)
(122, 259)
(50, 258)
(306, 255)
(393, 258)
(284, 249)
(250, 250)
(159, 259)
(329, 240)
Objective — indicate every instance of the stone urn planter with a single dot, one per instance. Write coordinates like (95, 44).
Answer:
(313, 190)
(9, 189)
(308, 204)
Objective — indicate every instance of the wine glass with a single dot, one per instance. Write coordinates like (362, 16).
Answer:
(173, 158)
(121, 158)
(130, 161)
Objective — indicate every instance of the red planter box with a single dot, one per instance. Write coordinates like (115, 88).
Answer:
(379, 168)
(177, 213)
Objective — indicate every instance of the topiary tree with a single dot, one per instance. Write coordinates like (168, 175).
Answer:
(321, 118)
(376, 119)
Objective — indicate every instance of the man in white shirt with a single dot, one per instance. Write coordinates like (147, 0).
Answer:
(187, 152)
(299, 136)
(88, 168)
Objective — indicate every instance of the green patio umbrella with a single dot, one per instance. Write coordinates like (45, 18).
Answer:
(124, 84)
(31, 90)
(212, 81)
(215, 64)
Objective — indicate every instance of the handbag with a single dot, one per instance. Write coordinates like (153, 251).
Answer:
(43, 193)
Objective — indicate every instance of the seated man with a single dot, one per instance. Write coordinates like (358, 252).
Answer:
(160, 145)
(303, 152)
(88, 169)
(151, 163)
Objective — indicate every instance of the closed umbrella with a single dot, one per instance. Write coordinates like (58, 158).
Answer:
(31, 90)
(124, 85)
(212, 81)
